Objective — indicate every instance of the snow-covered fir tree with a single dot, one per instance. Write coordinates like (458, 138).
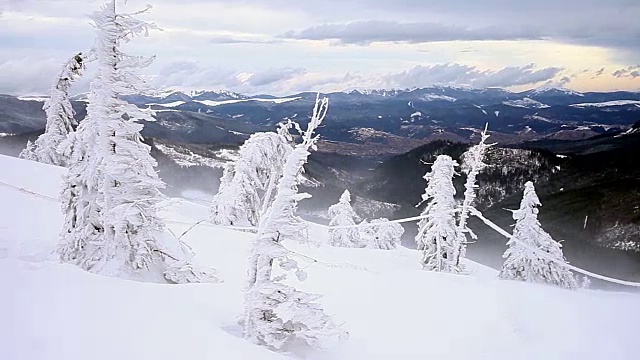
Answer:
(472, 165)
(534, 256)
(277, 314)
(247, 184)
(343, 215)
(382, 234)
(60, 121)
(438, 234)
(112, 191)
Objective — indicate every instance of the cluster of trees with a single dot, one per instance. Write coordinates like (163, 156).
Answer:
(532, 254)
(111, 199)
(377, 234)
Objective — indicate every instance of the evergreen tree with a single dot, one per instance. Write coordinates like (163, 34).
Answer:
(247, 184)
(438, 234)
(60, 121)
(112, 191)
(382, 234)
(523, 261)
(342, 214)
(275, 313)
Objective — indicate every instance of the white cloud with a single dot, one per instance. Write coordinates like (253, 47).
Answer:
(236, 44)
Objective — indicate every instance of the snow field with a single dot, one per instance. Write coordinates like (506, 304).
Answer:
(389, 306)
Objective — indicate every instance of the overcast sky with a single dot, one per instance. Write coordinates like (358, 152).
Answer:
(285, 46)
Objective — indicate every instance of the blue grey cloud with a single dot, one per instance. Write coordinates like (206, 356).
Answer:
(628, 72)
(365, 32)
(457, 74)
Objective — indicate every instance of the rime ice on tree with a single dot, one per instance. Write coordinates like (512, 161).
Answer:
(246, 187)
(277, 314)
(438, 234)
(111, 193)
(522, 262)
(382, 234)
(472, 165)
(60, 121)
(342, 214)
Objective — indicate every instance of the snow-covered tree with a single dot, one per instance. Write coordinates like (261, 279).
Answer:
(275, 313)
(60, 120)
(523, 257)
(472, 165)
(382, 234)
(438, 234)
(247, 184)
(342, 214)
(112, 191)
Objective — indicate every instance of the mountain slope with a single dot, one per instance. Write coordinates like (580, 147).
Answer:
(56, 311)
(589, 192)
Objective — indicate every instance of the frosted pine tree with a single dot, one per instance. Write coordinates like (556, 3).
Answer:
(342, 214)
(472, 165)
(522, 259)
(247, 184)
(60, 120)
(382, 234)
(277, 314)
(438, 234)
(112, 191)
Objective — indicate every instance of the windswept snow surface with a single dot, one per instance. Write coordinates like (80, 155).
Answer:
(433, 97)
(608, 103)
(390, 307)
(169, 104)
(233, 101)
(526, 103)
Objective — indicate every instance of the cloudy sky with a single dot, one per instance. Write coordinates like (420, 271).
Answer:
(286, 46)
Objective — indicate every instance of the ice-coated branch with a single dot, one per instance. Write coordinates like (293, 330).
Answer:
(276, 314)
(521, 263)
(48, 147)
(472, 165)
(438, 235)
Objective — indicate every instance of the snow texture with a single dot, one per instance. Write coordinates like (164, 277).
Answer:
(55, 311)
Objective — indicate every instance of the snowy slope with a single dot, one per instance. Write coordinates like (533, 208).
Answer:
(526, 103)
(390, 307)
(608, 103)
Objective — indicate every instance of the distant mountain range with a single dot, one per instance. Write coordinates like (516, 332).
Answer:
(375, 124)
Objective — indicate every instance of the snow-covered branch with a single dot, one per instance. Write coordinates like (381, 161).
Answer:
(275, 313)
